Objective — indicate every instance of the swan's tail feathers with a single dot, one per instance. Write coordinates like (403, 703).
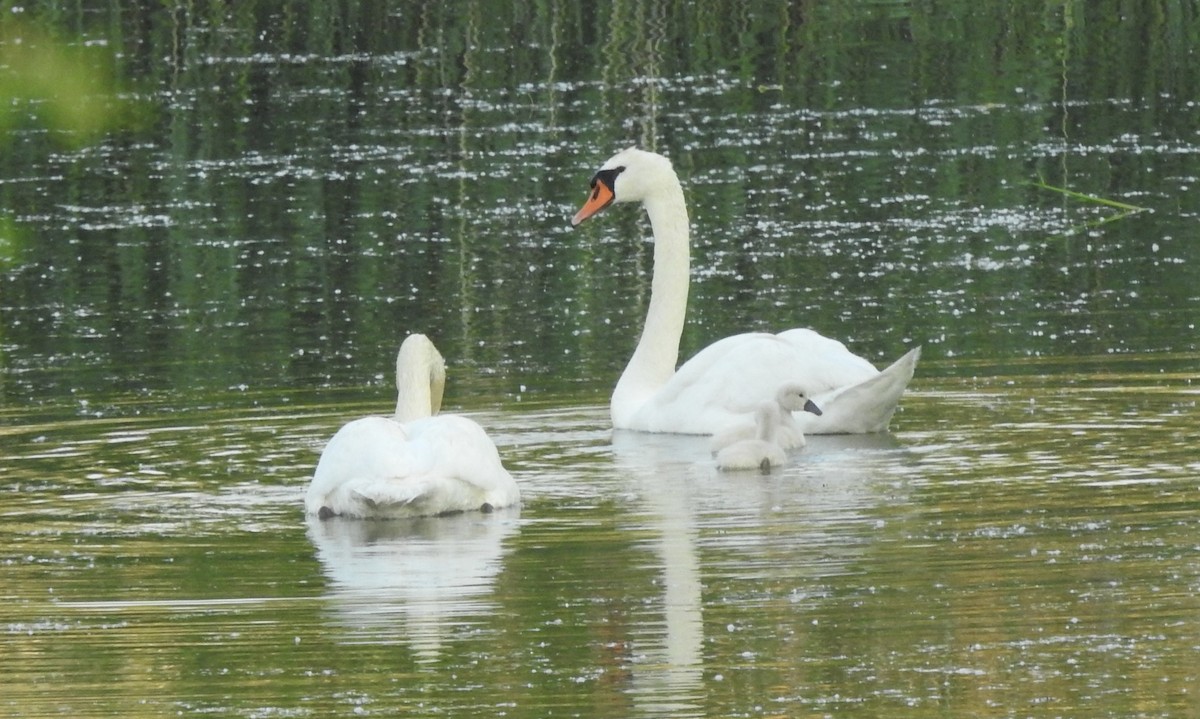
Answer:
(382, 498)
(864, 407)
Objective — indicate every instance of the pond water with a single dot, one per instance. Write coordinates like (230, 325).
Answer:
(1016, 546)
(191, 307)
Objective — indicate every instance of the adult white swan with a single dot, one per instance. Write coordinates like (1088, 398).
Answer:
(416, 463)
(732, 376)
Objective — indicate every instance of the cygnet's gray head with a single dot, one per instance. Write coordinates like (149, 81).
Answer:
(793, 398)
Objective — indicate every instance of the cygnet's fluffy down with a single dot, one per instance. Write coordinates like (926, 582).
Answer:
(760, 452)
(790, 398)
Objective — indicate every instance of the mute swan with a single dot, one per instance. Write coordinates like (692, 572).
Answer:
(790, 398)
(733, 375)
(416, 463)
(761, 452)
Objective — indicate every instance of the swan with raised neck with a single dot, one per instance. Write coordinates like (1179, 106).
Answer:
(730, 377)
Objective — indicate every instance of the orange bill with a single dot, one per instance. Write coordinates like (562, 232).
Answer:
(601, 197)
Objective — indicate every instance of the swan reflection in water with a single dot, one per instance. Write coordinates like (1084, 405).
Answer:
(411, 581)
(749, 525)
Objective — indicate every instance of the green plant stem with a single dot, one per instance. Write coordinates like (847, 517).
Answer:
(1128, 208)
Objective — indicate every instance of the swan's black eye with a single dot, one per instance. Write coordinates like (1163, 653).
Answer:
(608, 177)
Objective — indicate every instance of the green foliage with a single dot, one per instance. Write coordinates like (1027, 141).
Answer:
(70, 88)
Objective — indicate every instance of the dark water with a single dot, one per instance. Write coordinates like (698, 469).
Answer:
(190, 307)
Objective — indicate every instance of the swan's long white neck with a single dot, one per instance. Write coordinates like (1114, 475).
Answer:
(420, 380)
(654, 360)
(413, 398)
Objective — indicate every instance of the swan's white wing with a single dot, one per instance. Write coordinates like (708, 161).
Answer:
(457, 447)
(367, 448)
(827, 362)
(729, 378)
(865, 406)
(456, 468)
(723, 382)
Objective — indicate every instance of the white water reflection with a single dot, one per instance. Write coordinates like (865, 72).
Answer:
(661, 469)
(412, 581)
(767, 522)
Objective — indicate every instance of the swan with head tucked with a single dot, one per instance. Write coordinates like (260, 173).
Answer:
(790, 398)
(762, 451)
(415, 463)
(732, 376)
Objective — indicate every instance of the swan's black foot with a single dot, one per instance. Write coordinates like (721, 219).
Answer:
(486, 508)
(765, 466)
(325, 513)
